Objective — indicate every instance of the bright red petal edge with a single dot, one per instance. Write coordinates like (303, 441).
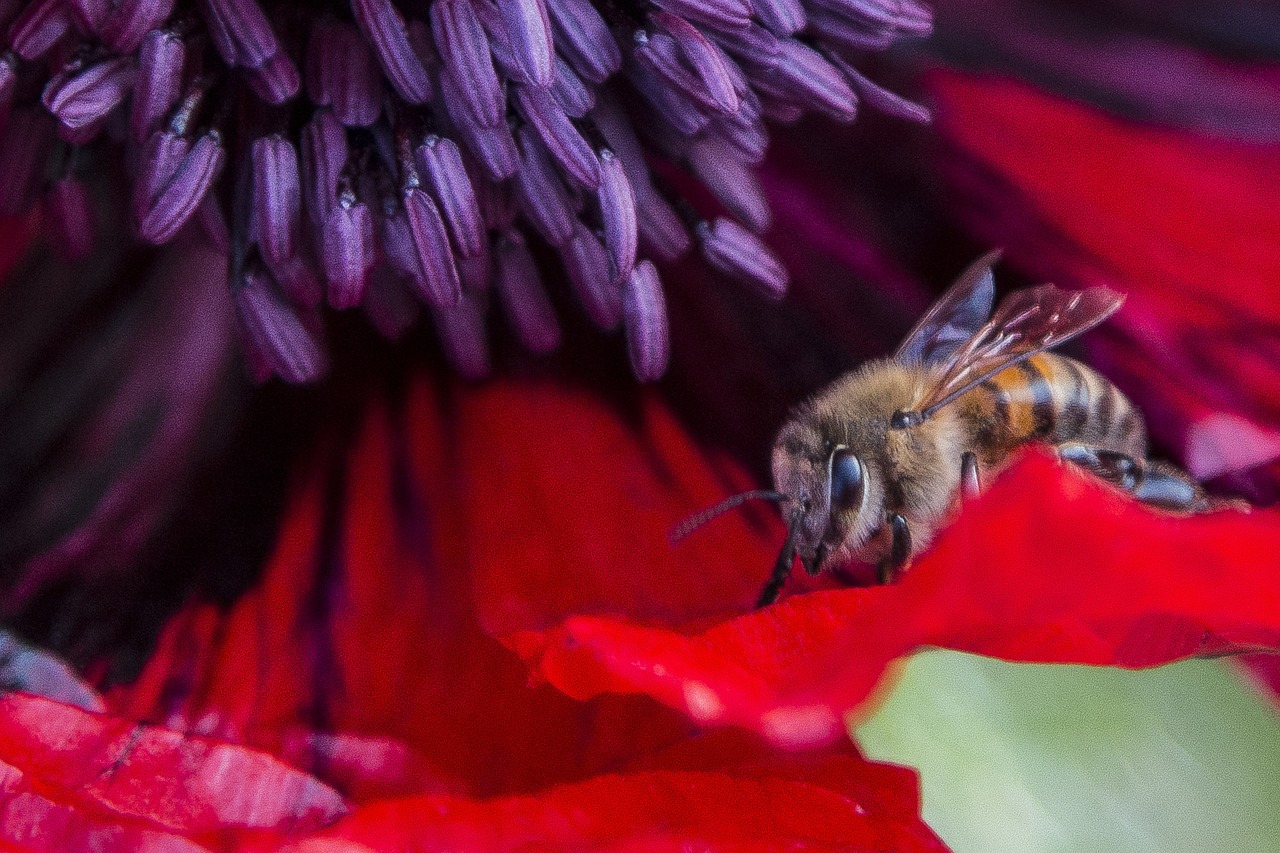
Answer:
(1048, 566)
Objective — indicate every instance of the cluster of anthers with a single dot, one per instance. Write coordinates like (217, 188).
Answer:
(394, 154)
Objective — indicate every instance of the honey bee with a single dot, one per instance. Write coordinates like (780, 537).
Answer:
(872, 466)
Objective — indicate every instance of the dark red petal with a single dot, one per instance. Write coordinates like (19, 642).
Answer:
(360, 655)
(92, 770)
(719, 793)
(1089, 577)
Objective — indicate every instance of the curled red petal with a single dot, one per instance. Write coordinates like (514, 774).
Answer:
(1088, 577)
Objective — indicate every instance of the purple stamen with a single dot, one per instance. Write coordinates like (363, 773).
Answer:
(438, 283)
(240, 31)
(731, 181)
(645, 312)
(275, 333)
(128, 23)
(618, 210)
(388, 304)
(441, 164)
(727, 15)
(462, 333)
(80, 97)
(734, 250)
(40, 26)
(540, 192)
(342, 72)
(324, 156)
(157, 87)
(465, 52)
(277, 195)
(708, 62)
(276, 80)
(178, 197)
(347, 248)
(587, 263)
(385, 28)
(562, 139)
(523, 299)
(781, 17)
(584, 40)
(570, 92)
(529, 37)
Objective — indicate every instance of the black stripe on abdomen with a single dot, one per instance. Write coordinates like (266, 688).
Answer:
(1042, 410)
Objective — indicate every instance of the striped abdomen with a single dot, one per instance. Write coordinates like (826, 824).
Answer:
(1055, 399)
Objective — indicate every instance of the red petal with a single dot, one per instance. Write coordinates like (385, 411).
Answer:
(1089, 576)
(721, 793)
(360, 656)
(70, 779)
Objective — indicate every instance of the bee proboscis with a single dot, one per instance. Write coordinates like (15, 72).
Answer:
(873, 465)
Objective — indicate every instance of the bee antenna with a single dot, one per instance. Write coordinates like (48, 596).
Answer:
(693, 522)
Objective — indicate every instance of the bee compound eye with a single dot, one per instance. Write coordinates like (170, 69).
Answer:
(847, 481)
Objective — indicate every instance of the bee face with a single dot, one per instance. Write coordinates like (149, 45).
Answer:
(828, 486)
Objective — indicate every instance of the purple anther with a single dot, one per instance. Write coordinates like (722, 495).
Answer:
(277, 197)
(584, 40)
(645, 312)
(81, 96)
(728, 15)
(462, 334)
(389, 304)
(88, 14)
(780, 17)
(661, 229)
(27, 140)
(523, 300)
(529, 36)
(673, 107)
(298, 279)
(570, 92)
(213, 224)
(754, 44)
(324, 155)
(343, 72)
(438, 284)
(71, 217)
(881, 98)
(348, 251)
(587, 263)
(441, 164)
(476, 272)
(157, 87)
(705, 58)
(8, 79)
(802, 75)
(278, 336)
(240, 31)
(177, 198)
(734, 250)
(130, 21)
(618, 211)
(464, 49)
(744, 132)
(492, 147)
(562, 139)
(497, 204)
(276, 80)
(539, 190)
(838, 29)
(385, 28)
(348, 254)
(39, 27)
(731, 181)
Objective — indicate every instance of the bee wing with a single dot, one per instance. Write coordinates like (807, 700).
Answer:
(1027, 322)
(954, 318)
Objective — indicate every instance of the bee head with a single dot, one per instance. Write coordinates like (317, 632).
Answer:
(827, 486)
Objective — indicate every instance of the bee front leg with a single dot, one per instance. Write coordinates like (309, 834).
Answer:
(969, 483)
(899, 548)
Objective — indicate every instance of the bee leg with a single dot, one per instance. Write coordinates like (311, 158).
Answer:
(781, 568)
(969, 483)
(813, 565)
(1156, 483)
(899, 550)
